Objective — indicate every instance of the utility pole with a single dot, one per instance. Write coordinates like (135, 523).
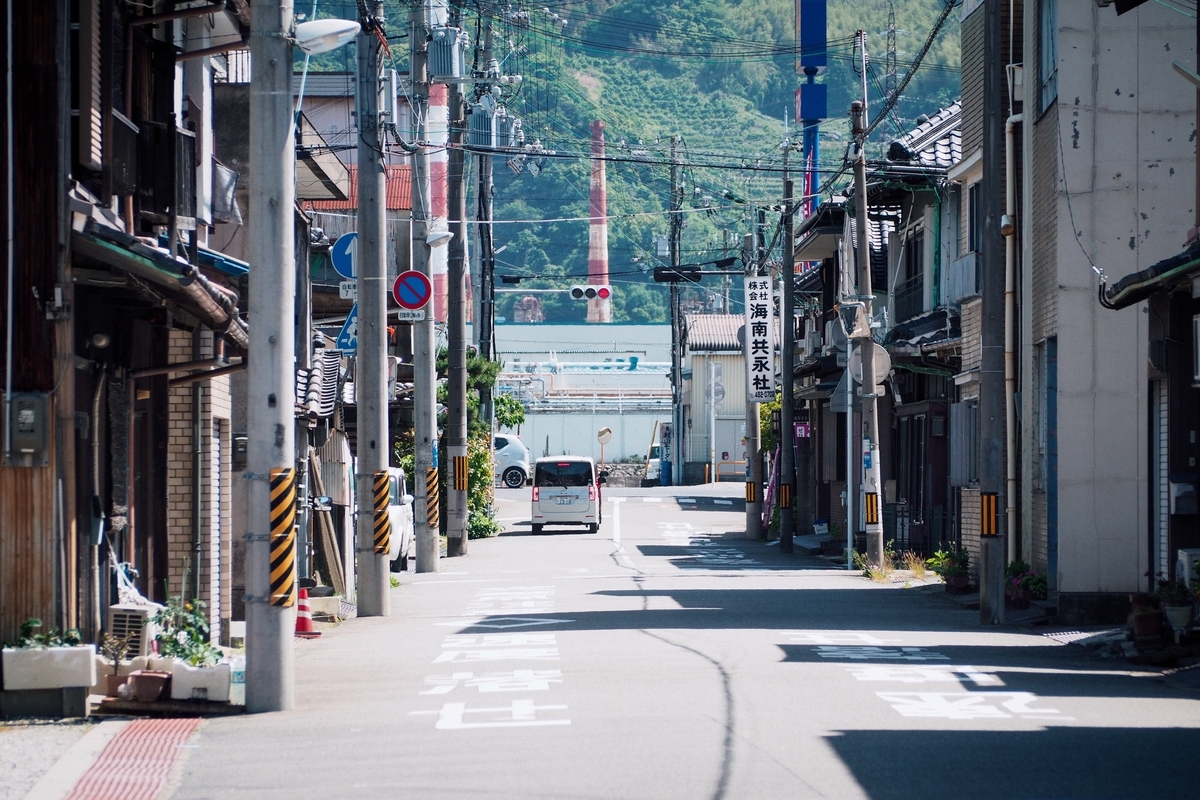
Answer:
(787, 365)
(753, 422)
(870, 436)
(424, 368)
(370, 361)
(271, 450)
(456, 415)
(676, 322)
(487, 246)
(992, 409)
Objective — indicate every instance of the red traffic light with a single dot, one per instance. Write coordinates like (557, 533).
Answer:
(589, 292)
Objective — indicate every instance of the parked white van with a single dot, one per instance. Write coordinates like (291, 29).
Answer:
(566, 491)
(400, 515)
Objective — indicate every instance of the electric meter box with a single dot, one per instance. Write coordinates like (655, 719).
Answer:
(445, 55)
(28, 421)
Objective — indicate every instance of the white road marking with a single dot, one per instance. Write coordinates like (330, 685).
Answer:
(723, 502)
(834, 637)
(853, 653)
(969, 705)
(928, 674)
(521, 713)
(616, 519)
(685, 499)
(651, 499)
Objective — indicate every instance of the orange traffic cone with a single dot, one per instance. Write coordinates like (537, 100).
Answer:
(304, 623)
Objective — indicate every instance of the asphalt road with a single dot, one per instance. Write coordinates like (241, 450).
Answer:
(665, 657)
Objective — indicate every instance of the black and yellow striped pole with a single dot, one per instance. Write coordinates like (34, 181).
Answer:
(460, 473)
(283, 538)
(383, 526)
(989, 514)
(871, 509)
(433, 516)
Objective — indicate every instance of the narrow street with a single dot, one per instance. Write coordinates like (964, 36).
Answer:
(664, 658)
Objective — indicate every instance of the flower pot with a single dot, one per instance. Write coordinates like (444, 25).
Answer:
(113, 684)
(149, 685)
(49, 667)
(200, 683)
(957, 584)
(1178, 616)
(1146, 624)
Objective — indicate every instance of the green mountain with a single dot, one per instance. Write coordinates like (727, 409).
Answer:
(720, 76)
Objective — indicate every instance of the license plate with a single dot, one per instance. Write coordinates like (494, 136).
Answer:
(565, 501)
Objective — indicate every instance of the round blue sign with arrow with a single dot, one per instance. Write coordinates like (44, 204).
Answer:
(412, 290)
(344, 255)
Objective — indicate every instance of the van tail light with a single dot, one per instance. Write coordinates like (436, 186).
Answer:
(592, 492)
(535, 494)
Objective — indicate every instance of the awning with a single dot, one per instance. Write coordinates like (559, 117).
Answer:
(1160, 277)
(320, 174)
(817, 237)
(182, 282)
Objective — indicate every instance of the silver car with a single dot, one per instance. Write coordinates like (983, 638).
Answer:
(512, 460)
(400, 515)
(566, 491)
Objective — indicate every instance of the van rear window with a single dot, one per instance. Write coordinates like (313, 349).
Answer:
(563, 473)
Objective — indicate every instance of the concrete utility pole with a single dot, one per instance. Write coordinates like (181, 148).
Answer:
(676, 323)
(487, 246)
(873, 523)
(424, 368)
(270, 587)
(787, 365)
(991, 370)
(370, 361)
(456, 415)
(753, 423)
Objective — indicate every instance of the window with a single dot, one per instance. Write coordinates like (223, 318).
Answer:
(1048, 54)
(914, 255)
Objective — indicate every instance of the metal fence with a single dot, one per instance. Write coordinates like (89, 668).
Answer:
(922, 532)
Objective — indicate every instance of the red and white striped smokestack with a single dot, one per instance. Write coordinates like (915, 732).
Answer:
(599, 309)
(438, 126)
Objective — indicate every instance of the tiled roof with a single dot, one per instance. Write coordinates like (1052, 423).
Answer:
(399, 192)
(938, 141)
(714, 332)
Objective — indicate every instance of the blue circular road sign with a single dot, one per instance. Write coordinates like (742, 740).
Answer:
(344, 255)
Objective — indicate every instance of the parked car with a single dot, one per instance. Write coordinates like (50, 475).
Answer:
(566, 491)
(400, 514)
(512, 460)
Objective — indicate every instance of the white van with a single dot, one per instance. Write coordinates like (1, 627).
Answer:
(400, 515)
(566, 491)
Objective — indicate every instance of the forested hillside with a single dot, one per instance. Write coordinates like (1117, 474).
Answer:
(719, 74)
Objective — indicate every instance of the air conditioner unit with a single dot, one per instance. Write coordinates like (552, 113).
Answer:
(133, 622)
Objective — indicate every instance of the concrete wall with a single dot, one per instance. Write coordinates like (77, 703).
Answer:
(575, 434)
(1126, 124)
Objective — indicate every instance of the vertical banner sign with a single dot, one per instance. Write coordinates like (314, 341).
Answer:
(760, 339)
(383, 526)
(283, 537)
(432, 498)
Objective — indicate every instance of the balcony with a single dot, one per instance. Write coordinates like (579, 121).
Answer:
(166, 170)
(909, 298)
(962, 278)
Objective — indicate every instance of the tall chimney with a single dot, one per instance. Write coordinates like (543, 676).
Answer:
(439, 136)
(599, 309)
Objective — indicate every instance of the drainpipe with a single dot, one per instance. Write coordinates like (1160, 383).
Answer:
(96, 505)
(1008, 229)
(197, 465)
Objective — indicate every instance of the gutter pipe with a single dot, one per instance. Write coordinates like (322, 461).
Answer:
(1138, 286)
(10, 234)
(1010, 377)
(197, 463)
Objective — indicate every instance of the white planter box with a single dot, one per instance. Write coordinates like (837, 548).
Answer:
(49, 667)
(200, 683)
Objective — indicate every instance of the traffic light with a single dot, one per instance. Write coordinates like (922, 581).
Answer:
(590, 292)
(676, 275)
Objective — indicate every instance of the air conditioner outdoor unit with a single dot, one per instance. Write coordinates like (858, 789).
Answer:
(133, 622)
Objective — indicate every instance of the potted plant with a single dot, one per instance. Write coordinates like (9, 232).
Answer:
(1014, 589)
(197, 670)
(50, 660)
(836, 543)
(114, 649)
(1177, 604)
(954, 567)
